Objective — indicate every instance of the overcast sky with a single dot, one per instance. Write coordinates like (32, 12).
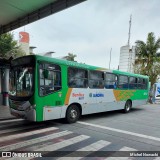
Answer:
(90, 29)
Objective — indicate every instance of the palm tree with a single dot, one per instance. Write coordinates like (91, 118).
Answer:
(71, 57)
(147, 60)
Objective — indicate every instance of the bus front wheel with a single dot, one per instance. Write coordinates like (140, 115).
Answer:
(128, 106)
(72, 114)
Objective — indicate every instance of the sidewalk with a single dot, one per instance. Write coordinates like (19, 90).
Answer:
(5, 113)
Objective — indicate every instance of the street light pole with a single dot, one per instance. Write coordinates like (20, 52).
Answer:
(110, 58)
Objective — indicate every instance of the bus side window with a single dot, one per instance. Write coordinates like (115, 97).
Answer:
(111, 81)
(145, 82)
(77, 78)
(123, 82)
(96, 79)
(132, 82)
(140, 84)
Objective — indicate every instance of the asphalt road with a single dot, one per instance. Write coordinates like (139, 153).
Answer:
(137, 131)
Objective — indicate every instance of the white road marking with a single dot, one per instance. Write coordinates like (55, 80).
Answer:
(157, 158)
(63, 144)
(18, 129)
(33, 141)
(11, 120)
(95, 146)
(92, 147)
(10, 124)
(122, 158)
(29, 133)
(127, 149)
(120, 131)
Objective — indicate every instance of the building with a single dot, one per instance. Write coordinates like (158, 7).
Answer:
(127, 58)
(24, 42)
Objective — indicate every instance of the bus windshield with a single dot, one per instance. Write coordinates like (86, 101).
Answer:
(21, 81)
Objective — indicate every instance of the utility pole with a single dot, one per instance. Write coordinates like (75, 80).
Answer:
(110, 58)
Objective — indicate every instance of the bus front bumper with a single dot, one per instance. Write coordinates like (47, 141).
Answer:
(28, 115)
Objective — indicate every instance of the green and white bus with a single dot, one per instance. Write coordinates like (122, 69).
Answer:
(44, 88)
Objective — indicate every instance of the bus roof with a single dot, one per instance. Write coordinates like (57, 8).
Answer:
(80, 65)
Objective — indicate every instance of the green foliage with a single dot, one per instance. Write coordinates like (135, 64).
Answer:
(71, 57)
(147, 61)
(9, 47)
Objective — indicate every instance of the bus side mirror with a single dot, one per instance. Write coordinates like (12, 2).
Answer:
(45, 74)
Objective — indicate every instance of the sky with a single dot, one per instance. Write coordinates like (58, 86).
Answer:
(91, 28)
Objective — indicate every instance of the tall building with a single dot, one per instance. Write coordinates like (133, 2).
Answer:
(127, 58)
(24, 42)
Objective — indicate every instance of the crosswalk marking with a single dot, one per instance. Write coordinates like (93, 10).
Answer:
(18, 128)
(33, 141)
(11, 124)
(157, 158)
(95, 146)
(44, 143)
(92, 147)
(63, 144)
(127, 149)
(29, 133)
(122, 158)
(11, 120)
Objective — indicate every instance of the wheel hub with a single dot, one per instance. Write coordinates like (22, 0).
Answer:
(73, 114)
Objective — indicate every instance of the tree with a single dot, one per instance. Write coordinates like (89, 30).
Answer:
(9, 47)
(147, 60)
(71, 57)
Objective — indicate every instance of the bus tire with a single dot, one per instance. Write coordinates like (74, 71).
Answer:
(72, 114)
(128, 106)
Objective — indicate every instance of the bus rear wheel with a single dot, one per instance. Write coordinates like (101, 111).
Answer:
(72, 114)
(127, 107)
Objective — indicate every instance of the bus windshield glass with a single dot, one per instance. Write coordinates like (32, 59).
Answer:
(21, 81)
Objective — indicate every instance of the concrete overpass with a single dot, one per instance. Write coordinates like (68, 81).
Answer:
(17, 13)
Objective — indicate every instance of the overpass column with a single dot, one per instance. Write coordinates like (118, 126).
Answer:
(5, 86)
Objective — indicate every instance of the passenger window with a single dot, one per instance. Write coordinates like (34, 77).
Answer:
(132, 82)
(96, 79)
(110, 81)
(123, 82)
(77, 78)
(145, 83)
(140, 83)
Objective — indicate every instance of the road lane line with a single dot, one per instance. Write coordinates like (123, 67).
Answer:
(92, 147)
(120, 131)
(63, 144)
(33, 141)
(28, 133)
